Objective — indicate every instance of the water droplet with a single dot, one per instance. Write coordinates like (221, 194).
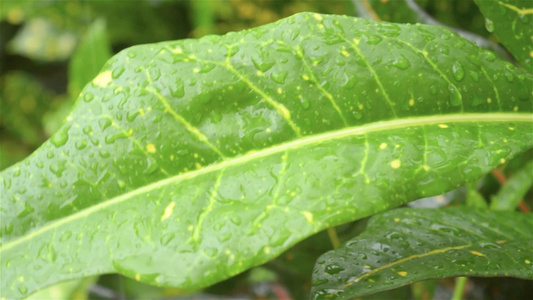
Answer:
(118, 71)
(235, 220)
(104, 123)
(23, 289)
(178, 90)
(167, 238)
(373, 39)
(509, 76)
(333, 269)
(65, 236)
(401, 62)
(88, 97)
(455, 97)
(104, 153)
(81, 144)
(61, 137)
(433, 89)
(279, 77)
(474, 75)
(304, 102)
(489, 25)
(458, 71)
(262, 64)
(320, 281)
(58, 167)
(132, 54)
(489, 55)
(211, 251)
(444, 50)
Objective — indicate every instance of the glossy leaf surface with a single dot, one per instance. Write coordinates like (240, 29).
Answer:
(512, 22)
(181, 159)
(408, 245)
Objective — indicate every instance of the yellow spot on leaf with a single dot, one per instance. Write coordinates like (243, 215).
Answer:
(411, 102)
(228, 251)
(305, 77)
(345, 53)
(103, 79)
(168, 210)
(308, 216)
(501, 242)
(141, 112)
(426, 167)
(425, 53)
(356, 41)
(367, 267)
(531, 54)
(502, 161)
(150, 148)
(190, 228)
(280, 91)
(317, 17)
(177, 50)
(259, 73)
(515, 108)
(268, 130)
(196, 70)
(489, 100)
(402, 273)
(267, 250)
(21, 278)
(443, 126)
(198, 165)
(527, 261)
(395, 164)
(477, 253)
(138, 277)
(396, 219)
(383, 146)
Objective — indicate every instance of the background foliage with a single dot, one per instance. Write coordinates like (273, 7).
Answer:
(50, 49)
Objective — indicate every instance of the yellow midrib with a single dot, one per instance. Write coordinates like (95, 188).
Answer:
(305, 141)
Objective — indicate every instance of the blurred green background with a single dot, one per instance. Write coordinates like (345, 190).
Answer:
(50, 49)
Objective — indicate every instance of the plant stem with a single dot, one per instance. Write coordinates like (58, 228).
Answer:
(460, 283)
(333, 237)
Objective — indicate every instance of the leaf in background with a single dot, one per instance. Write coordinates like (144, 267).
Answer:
(23, 101)
(511, 21)
(473, 197)
(39, 39)
(77, 289)
(92, 53)
(408, 245)
(515, 189)
(181, 159)
(409, 11)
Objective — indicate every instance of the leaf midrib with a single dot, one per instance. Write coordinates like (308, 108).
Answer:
(302, 142)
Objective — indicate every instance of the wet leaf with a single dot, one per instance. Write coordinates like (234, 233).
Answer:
(512, 22)
(403, 246)
(181, 159)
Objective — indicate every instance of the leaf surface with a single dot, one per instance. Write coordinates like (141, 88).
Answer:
(181, 160)
(408, 245)
(511, 21)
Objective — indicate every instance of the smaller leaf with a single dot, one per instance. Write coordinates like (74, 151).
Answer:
(473, 197)
(403, 246)
(511, 21)
(514, 190)
(90, 56)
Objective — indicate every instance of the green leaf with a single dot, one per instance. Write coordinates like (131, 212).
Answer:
(89, 58)
(77, 289)
(408, 245)
(511, 21)
(181, 159)
(514, 190)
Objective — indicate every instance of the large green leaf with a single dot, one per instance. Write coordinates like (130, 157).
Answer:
(407, 245)
(511, 21)
(181, 159)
